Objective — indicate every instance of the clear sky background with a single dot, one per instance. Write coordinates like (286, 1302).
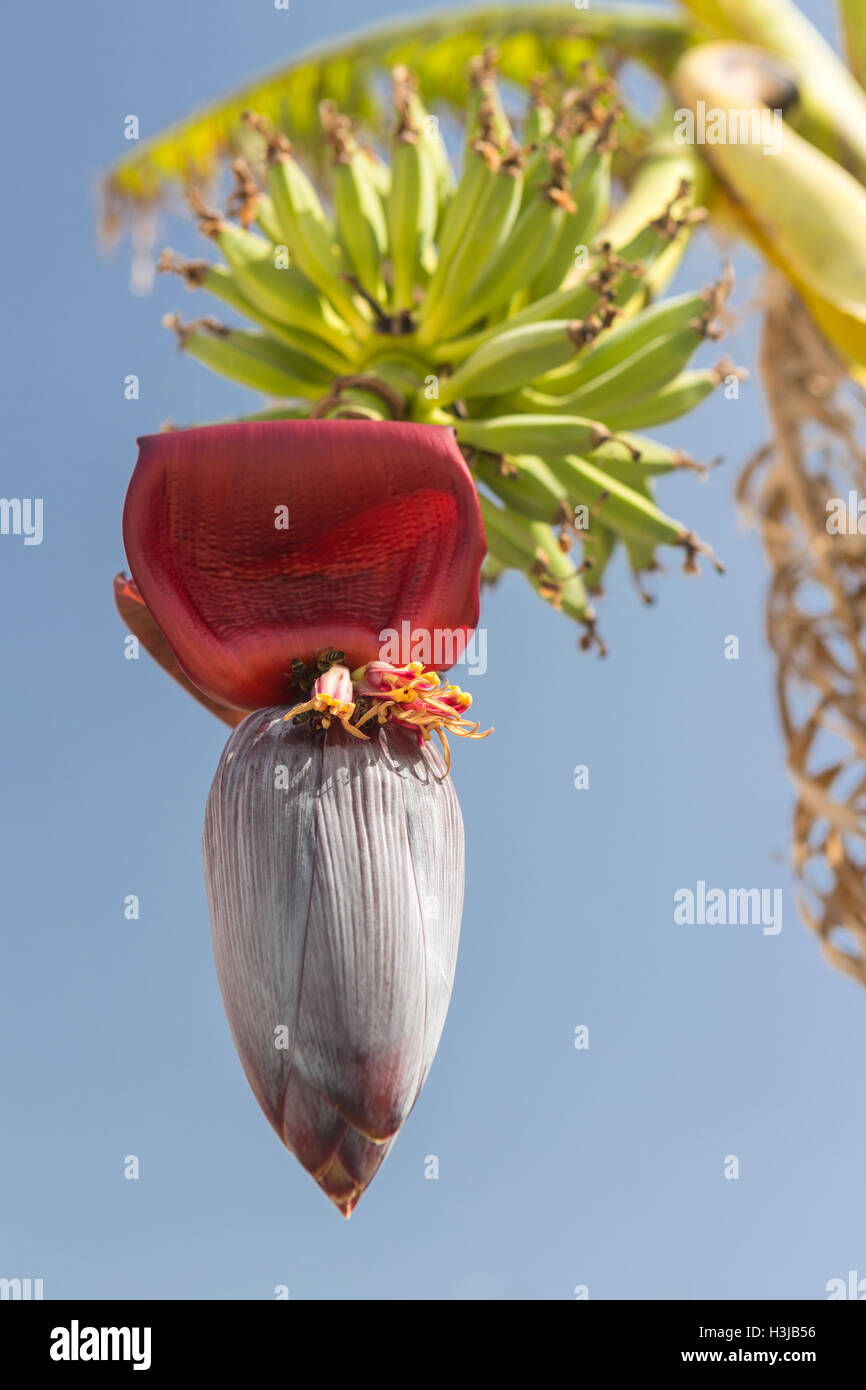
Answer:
(558, 1167)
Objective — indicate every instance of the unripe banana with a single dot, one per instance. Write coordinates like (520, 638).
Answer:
(486, 109)
(486, 138)
(306, 230)
(525, 484)
(511, 358)
(534, 548)
(575, 303)
(650, 458)
(543, 138)
(681, 395)
(558, 580)
(612, 279)
(508, 538)
(492, 570)
(412, 207)
(508, 264)
(378, 171)
(541, 117)
(358, 209)
(599, 545)
(480, 164)
(432, 144)
(627, 383)
(590, 189)
(219, 281)
(547, 435)
(670, 174)
(638, 377)
(279, 291)
(488, 230)
(618, 356)
(253, 359)
(628, 512)
(267, 219)
(547, 356)
(642, 553)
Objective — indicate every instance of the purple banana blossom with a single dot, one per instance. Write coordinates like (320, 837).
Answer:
(334, 870)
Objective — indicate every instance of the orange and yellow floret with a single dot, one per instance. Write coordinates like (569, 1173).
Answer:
(410, 696)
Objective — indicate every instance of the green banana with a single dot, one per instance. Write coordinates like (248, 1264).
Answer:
(412, 204)
(247, 203)
(480, 163)
(677, 398)
(507, 262)
(492, 569)
(534, 548)
(540, 118)
(638, 377)
(360, 216)
(253, 359)
(508, 537)
(305, 229)
(536, 434)
(559, 581)
(641, 554)
(616, 365)
(432, 144)
(486, 108)
(525, 484)
(599, 545)
(267, 219)
(651, 457)
(488, 133)
(509, 358)
(219, 281)
(628, 512)
(279, 291)
(669, 174)
(612, 279)
(590, 189)
(487, 232)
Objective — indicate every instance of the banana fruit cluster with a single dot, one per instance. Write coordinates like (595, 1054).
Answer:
(495, 303)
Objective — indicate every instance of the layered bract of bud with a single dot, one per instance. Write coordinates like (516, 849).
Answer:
(334, 872)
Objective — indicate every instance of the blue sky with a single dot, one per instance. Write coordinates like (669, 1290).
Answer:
(558, 1167)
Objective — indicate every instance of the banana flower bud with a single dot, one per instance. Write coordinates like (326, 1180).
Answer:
(334, 870)
(333, 843)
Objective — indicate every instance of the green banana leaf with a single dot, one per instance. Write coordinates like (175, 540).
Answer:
(350, 71)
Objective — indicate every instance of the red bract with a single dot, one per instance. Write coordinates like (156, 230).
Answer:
(141, 623)
(256, 544)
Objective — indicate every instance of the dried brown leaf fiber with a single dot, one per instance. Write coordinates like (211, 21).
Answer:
(816, 615)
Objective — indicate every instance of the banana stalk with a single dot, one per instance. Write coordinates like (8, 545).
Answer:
(821, 249)
(828, 103)
(854, 35)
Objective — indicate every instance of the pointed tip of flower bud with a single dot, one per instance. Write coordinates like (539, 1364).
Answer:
(342, 1160)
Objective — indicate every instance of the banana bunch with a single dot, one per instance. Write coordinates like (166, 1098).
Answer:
(494, 303)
